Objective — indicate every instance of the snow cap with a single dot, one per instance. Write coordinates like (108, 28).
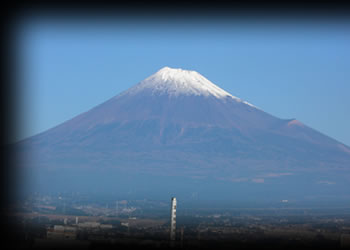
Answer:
(175, 82)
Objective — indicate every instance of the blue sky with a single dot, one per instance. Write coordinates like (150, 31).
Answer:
(290, 69)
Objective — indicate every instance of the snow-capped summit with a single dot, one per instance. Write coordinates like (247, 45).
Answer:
(175, 82)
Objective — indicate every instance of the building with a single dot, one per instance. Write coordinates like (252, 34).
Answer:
(62, 233)
(173, 219)
(125, 224)
(93, 225)
(89, 224)
(106, 226)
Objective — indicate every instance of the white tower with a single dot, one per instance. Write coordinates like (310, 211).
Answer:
(173, 219)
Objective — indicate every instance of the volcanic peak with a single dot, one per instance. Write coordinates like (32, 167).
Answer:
(175, 82)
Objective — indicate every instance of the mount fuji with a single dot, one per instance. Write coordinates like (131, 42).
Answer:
(177, 133)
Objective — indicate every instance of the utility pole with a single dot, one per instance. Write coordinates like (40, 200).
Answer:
(173, 221)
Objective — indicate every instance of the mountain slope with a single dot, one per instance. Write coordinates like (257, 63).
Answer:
(177, 127)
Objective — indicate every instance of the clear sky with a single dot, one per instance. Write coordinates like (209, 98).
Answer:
(290, 69)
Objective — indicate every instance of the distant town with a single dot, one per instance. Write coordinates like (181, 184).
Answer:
(75, 220)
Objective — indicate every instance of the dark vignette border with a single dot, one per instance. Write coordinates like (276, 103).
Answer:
(16, 13)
